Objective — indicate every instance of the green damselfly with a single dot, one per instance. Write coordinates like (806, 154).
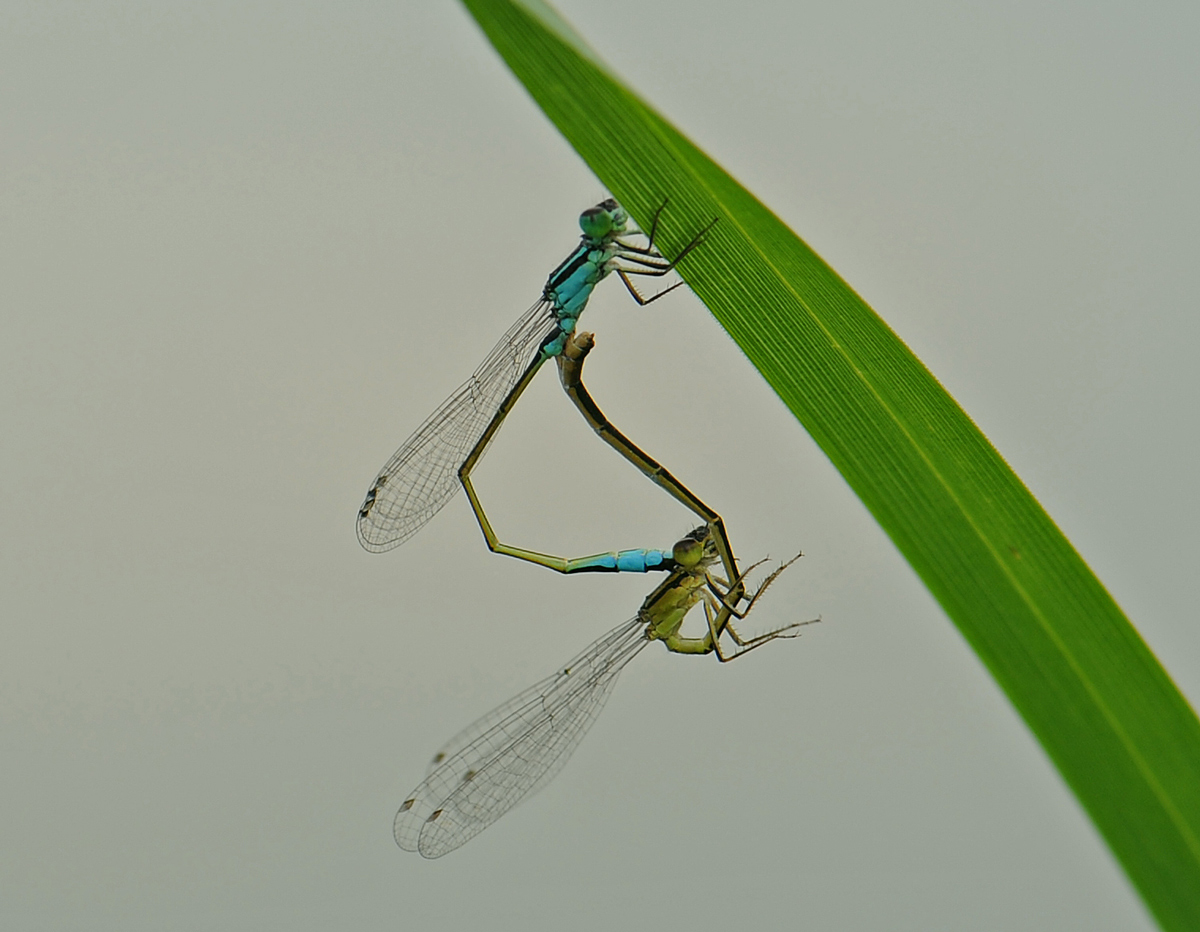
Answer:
(517, 748)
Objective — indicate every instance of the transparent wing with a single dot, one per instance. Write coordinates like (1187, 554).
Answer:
(423, 474)
(493, 764)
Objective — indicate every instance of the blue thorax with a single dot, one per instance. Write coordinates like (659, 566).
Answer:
(570, 285)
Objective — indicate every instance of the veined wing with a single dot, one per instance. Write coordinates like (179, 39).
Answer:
(423, 474)
(493, 764)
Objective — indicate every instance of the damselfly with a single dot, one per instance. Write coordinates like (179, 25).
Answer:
(423, 474)
(493, 764)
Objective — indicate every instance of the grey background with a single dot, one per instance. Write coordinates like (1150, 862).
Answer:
(247, 247)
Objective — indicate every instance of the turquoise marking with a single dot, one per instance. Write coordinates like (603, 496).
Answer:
(623, 561)
(573, 295)
(640, 561)
(555, 346)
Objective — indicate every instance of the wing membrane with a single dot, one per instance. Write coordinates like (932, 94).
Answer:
(423, 474)
(514, 750)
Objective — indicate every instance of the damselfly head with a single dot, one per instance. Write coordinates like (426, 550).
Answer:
(606, 218)
(695, 548)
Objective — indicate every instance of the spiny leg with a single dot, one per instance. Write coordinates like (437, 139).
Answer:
(655, 269)
(652, 268)
(649, 268)
(624, 274)
(739, 583)
(784, 631)
(717, 601)
(718, 613)
(714, 587)
(692, 243)
(649, 249)
(719, 623)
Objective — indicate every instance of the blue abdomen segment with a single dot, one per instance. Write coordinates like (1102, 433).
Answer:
(625, 561)
(554, 345)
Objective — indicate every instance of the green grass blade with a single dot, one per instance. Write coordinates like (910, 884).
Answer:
(1106, 712)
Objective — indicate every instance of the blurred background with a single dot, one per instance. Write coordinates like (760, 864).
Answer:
(245, 249)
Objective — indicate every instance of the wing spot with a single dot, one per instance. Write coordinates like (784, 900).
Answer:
(408, 804)
(433, 818)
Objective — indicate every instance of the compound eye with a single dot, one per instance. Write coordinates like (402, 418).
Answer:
(687, 552)
(596, 221)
